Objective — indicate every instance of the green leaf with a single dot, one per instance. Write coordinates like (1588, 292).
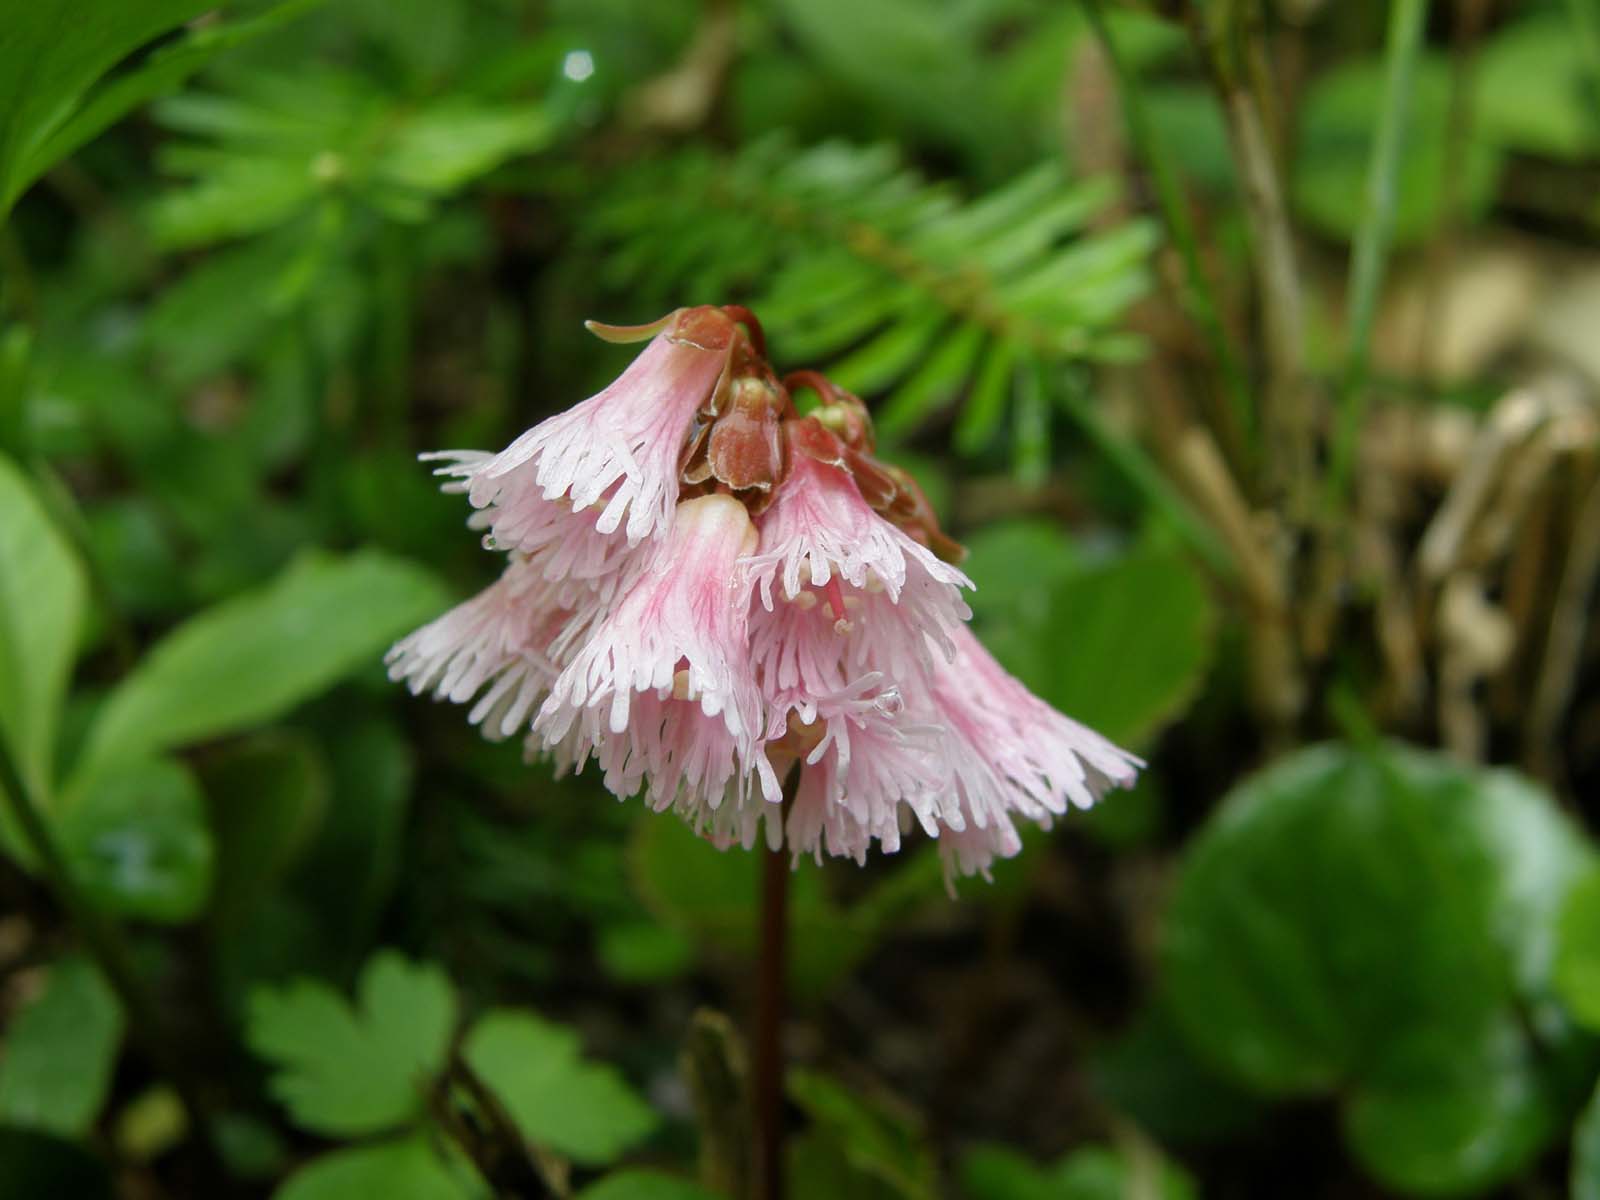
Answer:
(644, 1185)
(876, 1138)
(346, 1071)
(409, 1169)
(1120, 644)
(585, 1111)
(162, 71)
(1528, 88)
(267, 799)
(50, 56)
(1334, 148)
(445, 147)
(1586, 1152)
(1577, 964)
(136, 838)
(1088, 1173)
(42, 597)
(1371, 925)
(59, 1052)
(253, 658)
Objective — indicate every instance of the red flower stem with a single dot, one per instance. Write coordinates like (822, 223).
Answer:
(758, 336)
(771, 989)
(816, 381)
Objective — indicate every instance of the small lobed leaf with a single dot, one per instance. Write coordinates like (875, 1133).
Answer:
(580, 1109)
(645, 1185)
(59, 1053)
(346, 1071)
(409, 1169)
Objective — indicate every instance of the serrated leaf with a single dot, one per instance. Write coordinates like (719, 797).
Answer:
(42, 598)
(346, 1071)
(137, 839)
(255, 657)
(410, 1169)
(583, 1110)
(59, 1052)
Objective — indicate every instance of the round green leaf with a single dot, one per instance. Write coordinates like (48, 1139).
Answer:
(403, 1170)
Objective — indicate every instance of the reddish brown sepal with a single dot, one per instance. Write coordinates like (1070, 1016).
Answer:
(912, 513)
(810, 437)
(704, 326)
(877, 485)
(744, 450)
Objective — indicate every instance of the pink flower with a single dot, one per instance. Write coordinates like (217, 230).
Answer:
(1007, 752)
(609, 465)
(856, 593)
(662, 689)
(509, 638)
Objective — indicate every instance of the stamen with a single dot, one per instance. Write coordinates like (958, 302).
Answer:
(834, 595)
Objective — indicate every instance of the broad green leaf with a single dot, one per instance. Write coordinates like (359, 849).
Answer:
(42, 597)
(878, 1139)
(1586, 1152)
(267, 798)
(344, 1071)
(580, 1109)
(59, 1052)
(645, 1185)
(137, 839)
(251, 659)
(1334, 147)
(1359, 923)
(410, 1169)
(51, 54)
(1577, 964)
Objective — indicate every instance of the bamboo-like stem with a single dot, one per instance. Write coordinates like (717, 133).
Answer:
(771, 990)
(1373, 235)
(104, 941)
(1198, 297)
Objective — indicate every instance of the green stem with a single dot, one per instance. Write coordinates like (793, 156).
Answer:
(1373, 235)
(1197, 294)
(1147, 478)
(104, 941)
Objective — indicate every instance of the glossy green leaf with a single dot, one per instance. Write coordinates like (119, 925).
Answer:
(51, 55)
(583, 1110)
(42, 598)
(409, 1169)
(345, 1071)
(1577, 963)
(1289, 967)
(253, 658)
(137, 839)
(59, 1052)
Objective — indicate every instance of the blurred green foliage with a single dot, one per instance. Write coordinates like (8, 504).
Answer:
(257, 255)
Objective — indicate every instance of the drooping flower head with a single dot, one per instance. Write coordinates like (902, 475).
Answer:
(708, 592)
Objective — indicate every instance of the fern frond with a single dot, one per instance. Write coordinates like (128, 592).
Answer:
(900, 287)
